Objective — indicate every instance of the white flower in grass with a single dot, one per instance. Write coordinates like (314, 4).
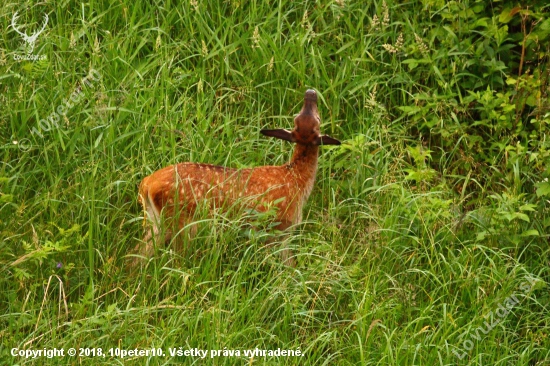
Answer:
(306, 24)
(204, 49)
(375, 24)
(370, 103)
(271, 62)
(256, 38)
(390, 48)
(421, 45)
(395, 48)
(386, 12)
(199, 86)
(305, 20)
(158, 42)
(399, 42)
(72, 41)
(96, 49)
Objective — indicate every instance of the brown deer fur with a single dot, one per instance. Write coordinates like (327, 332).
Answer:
(182, 186)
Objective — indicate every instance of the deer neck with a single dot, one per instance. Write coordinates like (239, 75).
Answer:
(304, 163)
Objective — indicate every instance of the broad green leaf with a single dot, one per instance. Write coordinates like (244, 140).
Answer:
(543, 189)
(532, 232)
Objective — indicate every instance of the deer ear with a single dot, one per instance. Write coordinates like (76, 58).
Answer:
(279, 134)
(327, 140)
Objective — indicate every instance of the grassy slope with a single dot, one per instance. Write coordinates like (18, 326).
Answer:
(389, 272)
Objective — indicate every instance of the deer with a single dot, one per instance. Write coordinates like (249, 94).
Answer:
(178, 189)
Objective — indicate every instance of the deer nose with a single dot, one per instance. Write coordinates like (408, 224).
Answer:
(311, 95)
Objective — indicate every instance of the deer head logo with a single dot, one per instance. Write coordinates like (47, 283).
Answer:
(29, 40)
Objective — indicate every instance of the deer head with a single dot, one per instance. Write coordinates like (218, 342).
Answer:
(306, 126)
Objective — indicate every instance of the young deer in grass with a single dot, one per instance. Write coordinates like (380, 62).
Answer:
(176, 190)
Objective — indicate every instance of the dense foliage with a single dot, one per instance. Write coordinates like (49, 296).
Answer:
(426, 225)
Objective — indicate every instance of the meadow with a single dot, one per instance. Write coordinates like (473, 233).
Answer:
(425, 239)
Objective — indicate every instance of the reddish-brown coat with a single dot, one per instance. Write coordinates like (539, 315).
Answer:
(182, 186)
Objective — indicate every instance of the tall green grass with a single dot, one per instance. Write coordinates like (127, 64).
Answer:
(404, 251)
